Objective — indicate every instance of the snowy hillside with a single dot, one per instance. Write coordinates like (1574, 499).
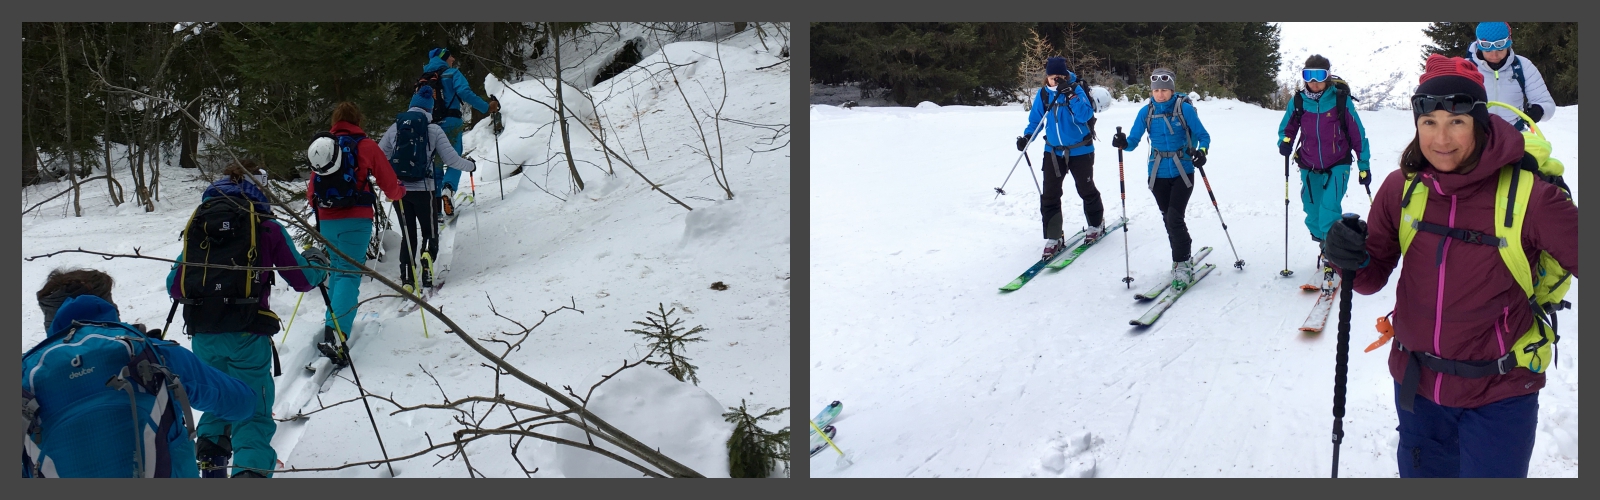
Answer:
(1382, 61)
(942, 376)
(613, 251)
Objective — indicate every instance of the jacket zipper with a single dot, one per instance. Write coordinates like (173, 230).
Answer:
(1438, 311)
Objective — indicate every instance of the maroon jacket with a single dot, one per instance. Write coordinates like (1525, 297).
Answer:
(1469, 308)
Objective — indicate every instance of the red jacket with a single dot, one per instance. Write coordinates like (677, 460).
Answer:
(1469, 308)
(371, 159)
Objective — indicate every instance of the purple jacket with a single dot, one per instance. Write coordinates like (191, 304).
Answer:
(1468, 307)
(1324, 141)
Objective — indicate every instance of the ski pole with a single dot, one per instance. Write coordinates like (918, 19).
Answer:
(1024, 156)
(1122, 185)
(1237, 263)
(1341, 355)
(344, 348)
(500, 172)
(1286, 272)
(291, 318)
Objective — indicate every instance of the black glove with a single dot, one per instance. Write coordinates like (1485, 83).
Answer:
(1198, 157)
(316, 256)
(1022, 142)
(1285, 147)
(1534, 111)
(1119, 141)
(494, 105)
(1364, 177)
(1346, 243)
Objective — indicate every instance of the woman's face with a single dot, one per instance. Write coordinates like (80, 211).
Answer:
(1495, 56)
(1056, 79)
(1316, 86)
(1161, 95)
(1446, 139)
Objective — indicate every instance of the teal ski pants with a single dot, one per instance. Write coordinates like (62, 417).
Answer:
(247, 357)
(349, 236)
(1321, 194)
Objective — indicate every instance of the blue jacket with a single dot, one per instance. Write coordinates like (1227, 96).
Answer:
(208, 389)
(456, 88)
(1067, 123)
(1163, 140)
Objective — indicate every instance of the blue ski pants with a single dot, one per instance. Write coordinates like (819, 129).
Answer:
(1494, 440)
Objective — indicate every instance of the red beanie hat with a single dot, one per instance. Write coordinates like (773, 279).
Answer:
(1454, 75)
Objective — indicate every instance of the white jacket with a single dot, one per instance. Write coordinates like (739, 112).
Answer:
(1502, 86)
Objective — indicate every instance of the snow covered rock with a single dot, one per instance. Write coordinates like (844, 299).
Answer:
(1101, 97)
(927, 105)
(678, 418)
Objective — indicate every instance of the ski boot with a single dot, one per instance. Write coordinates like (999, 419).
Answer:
(212, 457)
(1051, 248)
(427, 270)
(331, 347)
(1329, 278)
(1094, 234)
(1182, 274)
(447, 208)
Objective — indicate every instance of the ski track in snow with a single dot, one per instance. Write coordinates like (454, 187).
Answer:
(617, 250)
(942, 375)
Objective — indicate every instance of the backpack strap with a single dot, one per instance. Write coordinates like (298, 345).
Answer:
(32, 434)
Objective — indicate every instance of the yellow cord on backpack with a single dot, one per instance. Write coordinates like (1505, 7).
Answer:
(825, 437)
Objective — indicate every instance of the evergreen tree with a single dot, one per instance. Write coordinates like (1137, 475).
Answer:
(1551, 47)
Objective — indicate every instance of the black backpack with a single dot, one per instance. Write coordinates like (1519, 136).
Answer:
(411, 159)
(345, 187)
(223, 230)
(441, 109)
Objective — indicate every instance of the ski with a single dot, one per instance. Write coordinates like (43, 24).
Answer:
(1073, 256)
(1156, 290)
(826, 416)
(818, 444)
(1034, 271)
(427, 295)
(1319, 312)
(1170, 297)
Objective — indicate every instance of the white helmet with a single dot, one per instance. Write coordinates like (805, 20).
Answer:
(324, 156)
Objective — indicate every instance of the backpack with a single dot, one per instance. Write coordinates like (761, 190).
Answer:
(1522, 84)
(1342, 98)
(1545, 283)
(345, 187)
(223, 230)
(441, 109)
(84, 385)
(1188, 141)
(411, 160)
(1073, 94)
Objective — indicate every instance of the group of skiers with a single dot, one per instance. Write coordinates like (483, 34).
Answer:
(1471, 346)
(233, 249)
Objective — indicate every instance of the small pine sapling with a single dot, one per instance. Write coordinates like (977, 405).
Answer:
(752, 450)
(664, 336)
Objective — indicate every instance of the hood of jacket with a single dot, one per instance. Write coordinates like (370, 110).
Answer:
(82, 308)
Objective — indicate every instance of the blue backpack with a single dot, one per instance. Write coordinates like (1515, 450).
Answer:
(99, 401)
(411, 159)
(348, 186)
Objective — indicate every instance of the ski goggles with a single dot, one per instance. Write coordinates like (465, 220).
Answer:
(1500, 44)
(1458, 104)
(1314, 75)
(1160, 77)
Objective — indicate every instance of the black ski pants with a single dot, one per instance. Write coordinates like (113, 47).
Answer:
(416, 210)
(1056, 168)
(1172, 197)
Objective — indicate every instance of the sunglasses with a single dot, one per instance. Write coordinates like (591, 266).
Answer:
(1500, 44)
(1163, 77)
(1422, 104)
(1314, 75)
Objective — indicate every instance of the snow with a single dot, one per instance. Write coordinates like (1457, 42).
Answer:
(652, 407)
(941, 375)
(1381, 61)
(613, 251)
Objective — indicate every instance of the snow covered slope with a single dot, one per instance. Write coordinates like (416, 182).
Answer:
(1382, 61)
(941, 375)
(615, 250)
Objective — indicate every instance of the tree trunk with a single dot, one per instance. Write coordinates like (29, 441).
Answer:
(739, 27)
(561, 109)
(30, 162)
(191, 139)
(72, 171)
